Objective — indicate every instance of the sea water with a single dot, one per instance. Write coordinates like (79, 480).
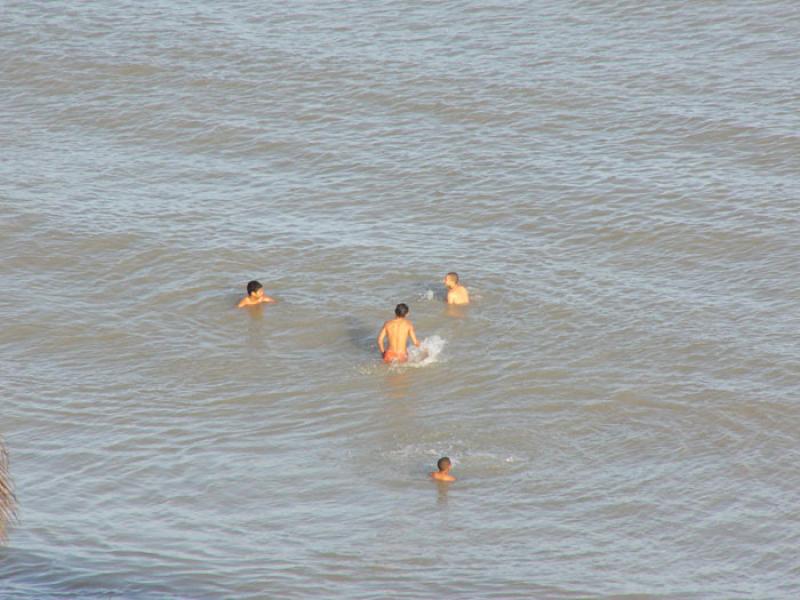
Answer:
(616, 184)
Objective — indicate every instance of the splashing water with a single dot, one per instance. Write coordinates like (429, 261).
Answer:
(428, 352)
(428, 295)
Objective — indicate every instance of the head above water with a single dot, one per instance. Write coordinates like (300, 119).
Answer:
(401, 310)
(451, 278)
(443, 463)
(253, 287)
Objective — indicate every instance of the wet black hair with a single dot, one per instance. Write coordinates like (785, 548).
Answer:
(253, 286)
(443, 463)
(401, 310)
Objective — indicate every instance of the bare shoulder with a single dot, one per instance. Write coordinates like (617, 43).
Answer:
(458, 295)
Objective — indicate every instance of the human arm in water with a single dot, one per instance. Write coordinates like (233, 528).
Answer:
(413, 334)
(381, 339)
(254, 300)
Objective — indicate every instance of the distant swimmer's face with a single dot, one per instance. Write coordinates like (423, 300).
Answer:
(258, 294)
(449, 281)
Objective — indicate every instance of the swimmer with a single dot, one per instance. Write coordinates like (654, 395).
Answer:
(456, 293)
(443, 474)
(398, 330)
(255, 295)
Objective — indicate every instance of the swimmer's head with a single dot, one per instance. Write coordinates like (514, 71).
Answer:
(451, 279)
(253, 287)
(401, 310)
(443, 463)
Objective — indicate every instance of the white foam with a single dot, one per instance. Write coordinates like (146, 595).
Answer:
(430, 295)
(428, 352)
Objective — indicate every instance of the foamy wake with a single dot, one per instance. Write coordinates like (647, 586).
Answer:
(430, 295)
(428, 352)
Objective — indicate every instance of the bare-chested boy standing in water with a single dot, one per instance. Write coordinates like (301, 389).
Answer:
(443, 474)
(398, 330)
(456, 293)
(255, 295)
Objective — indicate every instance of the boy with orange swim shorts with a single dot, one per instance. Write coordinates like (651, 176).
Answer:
(398, 330)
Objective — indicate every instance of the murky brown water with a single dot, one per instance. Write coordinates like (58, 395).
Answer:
(617, 184)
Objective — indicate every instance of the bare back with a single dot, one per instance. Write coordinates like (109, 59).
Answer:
(398, 331)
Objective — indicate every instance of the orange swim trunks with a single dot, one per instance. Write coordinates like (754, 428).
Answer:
(392, 356)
